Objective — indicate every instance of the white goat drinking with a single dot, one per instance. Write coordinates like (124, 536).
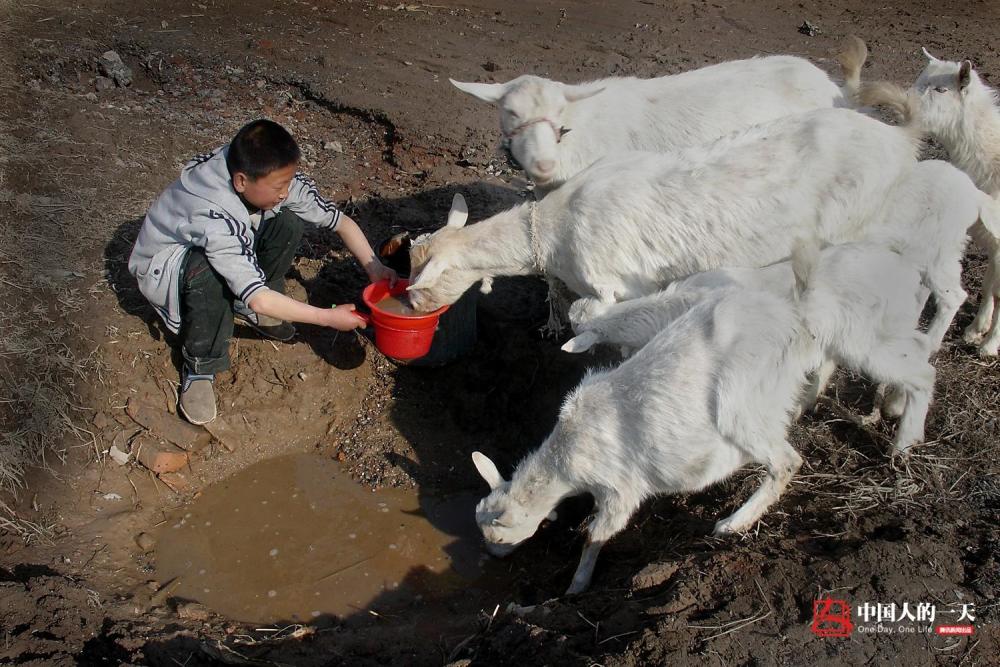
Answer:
(954, 106)
(633, 222)
(712, 392)
(555, 129)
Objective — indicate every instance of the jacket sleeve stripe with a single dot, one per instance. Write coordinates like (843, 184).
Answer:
(310, 186)
(165, 314)
(250, 290)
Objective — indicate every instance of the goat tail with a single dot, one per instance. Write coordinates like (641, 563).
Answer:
(852, 58)
(900, 100)
(805, 257)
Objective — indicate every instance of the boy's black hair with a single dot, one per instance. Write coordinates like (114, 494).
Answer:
(261, 147)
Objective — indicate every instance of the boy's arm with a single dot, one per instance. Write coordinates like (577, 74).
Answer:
(229, 251)
(305, 201)
(277, 305)
(355, 240)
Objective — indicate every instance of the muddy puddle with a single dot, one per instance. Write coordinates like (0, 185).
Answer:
(294, 539)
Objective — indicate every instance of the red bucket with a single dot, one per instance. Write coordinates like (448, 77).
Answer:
(400, 336)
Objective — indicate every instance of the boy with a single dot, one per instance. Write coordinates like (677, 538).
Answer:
(220, 239)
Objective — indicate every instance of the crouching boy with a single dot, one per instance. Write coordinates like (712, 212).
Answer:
(219, 241)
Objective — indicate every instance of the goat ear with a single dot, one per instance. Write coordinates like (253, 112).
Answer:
(459, 212)
(487, 469)
(487, 92)
(576, 93)
(581, 343)
(964, 74)
(927, 54)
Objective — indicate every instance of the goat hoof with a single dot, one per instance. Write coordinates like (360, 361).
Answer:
(902, 450)
(726, 527)
(577, 587)
(871, 419)
(972, 334)
(989, 351)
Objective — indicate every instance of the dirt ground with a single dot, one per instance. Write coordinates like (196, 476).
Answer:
(363, 86)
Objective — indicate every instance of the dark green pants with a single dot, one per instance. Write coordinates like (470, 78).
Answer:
(207, 302)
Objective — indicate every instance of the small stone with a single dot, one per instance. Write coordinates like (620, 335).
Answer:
(118, 456)
(654, 574)
(177, 482)
(91, 97)
(161, 458)
(110, 64)
(809, 29)
(334, 146)
(302, 376)
(192, 611)
(145, 541)
(103, 83)
(35, 85)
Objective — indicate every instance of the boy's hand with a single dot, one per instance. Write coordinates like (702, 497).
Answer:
(377, 271)
(342, 318)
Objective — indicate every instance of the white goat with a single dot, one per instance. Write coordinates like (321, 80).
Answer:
(631, 324)
(633, 222)
(712, 392)
(954, 106)
(661, 114)
(926, 217)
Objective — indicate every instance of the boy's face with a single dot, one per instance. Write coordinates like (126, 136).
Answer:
(267, 191)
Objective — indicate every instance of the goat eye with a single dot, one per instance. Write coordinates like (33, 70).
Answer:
(940, 89)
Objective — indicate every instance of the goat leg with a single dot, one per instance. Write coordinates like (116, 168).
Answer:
(585, 570)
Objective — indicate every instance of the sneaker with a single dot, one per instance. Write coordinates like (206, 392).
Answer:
(197, 400)
(266, 326)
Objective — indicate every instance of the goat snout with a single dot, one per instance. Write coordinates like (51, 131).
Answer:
(543, 169)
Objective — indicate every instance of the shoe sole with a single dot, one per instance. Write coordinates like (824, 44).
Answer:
(245, 322)
(180, 407)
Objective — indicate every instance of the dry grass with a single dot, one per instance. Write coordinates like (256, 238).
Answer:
(43, 361)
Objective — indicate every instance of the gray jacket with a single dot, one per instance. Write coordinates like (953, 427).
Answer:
(201, 209)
